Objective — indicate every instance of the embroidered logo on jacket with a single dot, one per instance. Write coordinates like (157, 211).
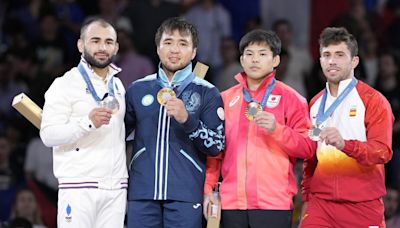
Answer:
(353, 111)
(192, 100)
(233, 101)
(273, 101)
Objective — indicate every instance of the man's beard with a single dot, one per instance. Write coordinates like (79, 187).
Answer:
(94, 63)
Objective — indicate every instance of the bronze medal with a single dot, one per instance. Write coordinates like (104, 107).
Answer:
(164, 95)
(314, 133)
(252, 109)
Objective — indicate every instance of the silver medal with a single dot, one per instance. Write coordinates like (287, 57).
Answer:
(110, 102)
(314, 133)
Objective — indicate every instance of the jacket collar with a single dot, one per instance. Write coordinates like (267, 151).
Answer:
(242, 79)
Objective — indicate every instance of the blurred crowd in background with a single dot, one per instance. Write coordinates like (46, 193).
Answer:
(38, 43)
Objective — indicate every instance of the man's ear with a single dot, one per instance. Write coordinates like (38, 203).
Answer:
(79, 44)
(116, 48)
(355, 61)
(241, 60)
(276, 60)
(194, 53)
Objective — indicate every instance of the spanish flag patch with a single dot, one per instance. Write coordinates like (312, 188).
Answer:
(353, 112)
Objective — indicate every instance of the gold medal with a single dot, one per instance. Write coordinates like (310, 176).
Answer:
(314, 133)
(164, 95)
(252, 109)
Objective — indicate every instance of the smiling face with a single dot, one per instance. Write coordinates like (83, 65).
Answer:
(98, 45)
(175, 51)
(258, 61)
(337, 63)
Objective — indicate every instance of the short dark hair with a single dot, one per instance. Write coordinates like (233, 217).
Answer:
(98, 20)
(180, 24)
(260, 36)
(336, 35)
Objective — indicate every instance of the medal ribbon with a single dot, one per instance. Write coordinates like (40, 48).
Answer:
(322, 116)
(179, 88)
(90, 85)
(267, 92)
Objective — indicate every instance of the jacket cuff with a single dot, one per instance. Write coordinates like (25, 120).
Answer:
(278, 131)
(191, 124)
(86, 124)
(207, 188)
(348, 147)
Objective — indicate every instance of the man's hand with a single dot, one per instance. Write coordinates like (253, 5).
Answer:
(303, 214)
(266, 120)
(100, 116)
(208, 200)
(176, 108)
(332, 136)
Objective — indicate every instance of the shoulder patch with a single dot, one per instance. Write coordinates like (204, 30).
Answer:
(147, 100)
(221, 113)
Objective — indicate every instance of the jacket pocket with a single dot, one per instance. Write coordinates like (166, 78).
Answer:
(137, 154)
(191, 160)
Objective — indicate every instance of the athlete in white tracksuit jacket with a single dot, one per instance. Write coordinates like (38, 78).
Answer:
(88, 141)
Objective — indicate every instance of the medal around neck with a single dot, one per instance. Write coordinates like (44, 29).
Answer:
(164, 95)
(252, 109)
(110, 102)
(314, 133)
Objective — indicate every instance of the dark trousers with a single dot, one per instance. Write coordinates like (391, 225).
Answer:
(256, 218)
(164, 214)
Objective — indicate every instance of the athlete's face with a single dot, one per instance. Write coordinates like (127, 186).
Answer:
(337, 62)
(98, 45)
(175, 51)
(258, 61)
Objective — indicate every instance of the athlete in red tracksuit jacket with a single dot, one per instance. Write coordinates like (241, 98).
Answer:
(257, 165)
(344, 182)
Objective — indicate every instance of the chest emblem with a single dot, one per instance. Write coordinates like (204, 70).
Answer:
(353, 111)
(273, 101)
(192, 101)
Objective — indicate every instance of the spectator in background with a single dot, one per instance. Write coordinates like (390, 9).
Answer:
(230, 64)
(39, 164)
(213, 22)
(297, 13)
(153, 13)
(70, 15)
(111, 11)
(392, 206)
(134, 65)
(26, 206)
(393, 30)
(369, 56)
(9, 182)
(388, 83)
(299, 63)
(9, 85)
(51, 48)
